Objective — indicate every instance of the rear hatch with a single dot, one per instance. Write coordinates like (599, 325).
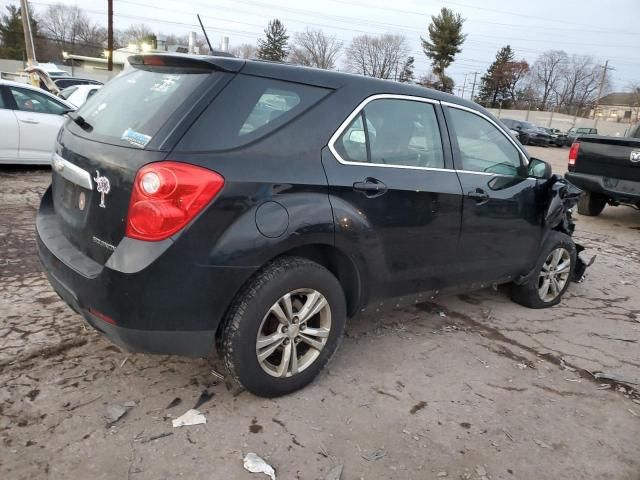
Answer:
(609, 157)
(134, 120)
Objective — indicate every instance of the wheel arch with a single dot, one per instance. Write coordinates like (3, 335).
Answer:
(333, 259)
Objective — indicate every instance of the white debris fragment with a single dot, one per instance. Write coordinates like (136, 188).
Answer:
(335, 473)
(191, 417)
(254, 464)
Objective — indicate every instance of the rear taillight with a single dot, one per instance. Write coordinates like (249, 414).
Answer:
(573, 154)
(168, 195)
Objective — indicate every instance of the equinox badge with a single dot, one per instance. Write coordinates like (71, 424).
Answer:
(103, 186)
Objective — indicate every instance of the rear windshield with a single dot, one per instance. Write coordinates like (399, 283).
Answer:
(131, 108)
(248, 109)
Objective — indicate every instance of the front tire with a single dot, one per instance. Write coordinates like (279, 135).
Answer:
(283, 327)
(552, 274)
(591, 204)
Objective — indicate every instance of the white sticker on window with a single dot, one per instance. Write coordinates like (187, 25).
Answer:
(165, 84)
(135, 138)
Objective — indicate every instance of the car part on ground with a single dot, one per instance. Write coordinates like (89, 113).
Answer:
(171, 227)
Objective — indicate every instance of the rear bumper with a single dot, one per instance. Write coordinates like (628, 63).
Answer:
(623, 191)
(172, 306)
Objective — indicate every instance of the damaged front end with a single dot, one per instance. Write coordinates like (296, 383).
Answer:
(560, 197)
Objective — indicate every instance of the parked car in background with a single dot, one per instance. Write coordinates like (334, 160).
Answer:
(79, 94)
(529, 133)
(30, 119)
(607, 169)
(575, 132)
(557, 138)
(201, 201)
(53, 70)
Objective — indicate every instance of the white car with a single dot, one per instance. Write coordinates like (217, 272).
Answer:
(78, 94)
(29, 121)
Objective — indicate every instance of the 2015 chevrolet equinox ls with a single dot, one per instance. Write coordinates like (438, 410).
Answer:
(201, 201)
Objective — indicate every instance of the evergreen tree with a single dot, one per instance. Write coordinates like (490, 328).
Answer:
(274, 45)
(494, 85)
(12, 34)
(445, 41)
(406, 74)
(498, 85)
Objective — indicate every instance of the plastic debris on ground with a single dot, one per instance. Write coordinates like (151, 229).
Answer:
(255, 464)
(191, 417)
(335, 473)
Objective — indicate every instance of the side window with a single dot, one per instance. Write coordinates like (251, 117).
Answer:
(30, 101)
(398, 132)
(483, 147)
(249, 108)
(2, 103)
(271, 104)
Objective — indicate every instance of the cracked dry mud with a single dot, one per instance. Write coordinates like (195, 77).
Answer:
(471, 385)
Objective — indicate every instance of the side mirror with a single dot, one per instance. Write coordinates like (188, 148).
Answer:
(539, 168)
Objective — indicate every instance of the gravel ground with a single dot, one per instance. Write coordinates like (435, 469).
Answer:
(470, 386)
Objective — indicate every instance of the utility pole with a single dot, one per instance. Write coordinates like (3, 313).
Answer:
(110, 35)
(464, 85)
(28, 39)
(605, 67)
(473, 88)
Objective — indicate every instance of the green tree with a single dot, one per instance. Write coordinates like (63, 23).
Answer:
(494, 85)
(274, 45)
(444, 43)
(12, 34)
(406, 74)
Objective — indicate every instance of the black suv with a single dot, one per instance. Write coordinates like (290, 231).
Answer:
(529, 134)
(201, 201)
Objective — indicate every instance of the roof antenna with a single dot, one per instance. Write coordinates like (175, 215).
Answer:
(205, 34)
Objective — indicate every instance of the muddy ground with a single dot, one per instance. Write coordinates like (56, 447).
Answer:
(467, 387)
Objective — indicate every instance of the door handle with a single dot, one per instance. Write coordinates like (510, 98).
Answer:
(371, 187)
(31, 122)
(479, 195)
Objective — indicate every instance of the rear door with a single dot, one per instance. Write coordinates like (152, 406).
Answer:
(390, 165)
(10, 138)
(39, 120)
(501, 221)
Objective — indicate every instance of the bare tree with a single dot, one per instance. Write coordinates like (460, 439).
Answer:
(580, 82)
(312, 48)
(136, 33)
(547, 74)
(245, 50)
(379, 57)
(70, 28)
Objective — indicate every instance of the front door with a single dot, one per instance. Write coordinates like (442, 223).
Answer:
(395, 195)
(501, 221)
(39, 119)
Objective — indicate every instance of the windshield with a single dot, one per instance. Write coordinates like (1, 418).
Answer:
(131, 109)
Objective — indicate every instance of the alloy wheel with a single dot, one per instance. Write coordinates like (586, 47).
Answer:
(554, 274)
(293, 332)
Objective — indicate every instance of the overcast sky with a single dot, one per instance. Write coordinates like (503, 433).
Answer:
(606, 29)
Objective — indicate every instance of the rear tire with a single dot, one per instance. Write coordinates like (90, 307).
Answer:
(552, 274)
(591, 204)
(267, 326)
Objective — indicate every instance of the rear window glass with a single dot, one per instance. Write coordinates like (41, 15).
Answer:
(248, 109)
(132, 108)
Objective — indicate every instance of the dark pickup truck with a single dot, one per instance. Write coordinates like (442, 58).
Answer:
(607, 169)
